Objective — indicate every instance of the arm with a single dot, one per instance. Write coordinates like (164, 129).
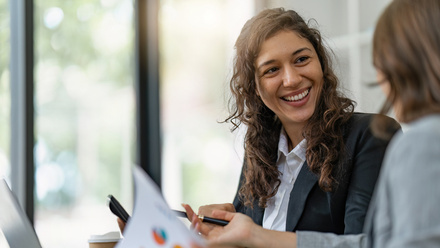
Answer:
(326, 240)
(407, 210)
(368, 152)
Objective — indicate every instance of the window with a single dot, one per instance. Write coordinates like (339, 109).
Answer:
(5, 93)
(84, 117)
(201, 163)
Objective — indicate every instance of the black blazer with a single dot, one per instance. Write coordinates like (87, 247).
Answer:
(343, 210)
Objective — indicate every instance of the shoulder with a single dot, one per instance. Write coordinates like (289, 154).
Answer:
(359, 125)
(411, 169)
(363, 120)
(425, 126)
(359, 117)
(361, 144)
(419, 142)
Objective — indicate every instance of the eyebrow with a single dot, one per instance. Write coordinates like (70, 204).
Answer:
(293, 54)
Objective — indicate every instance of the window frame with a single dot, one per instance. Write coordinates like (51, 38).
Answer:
(22, 103)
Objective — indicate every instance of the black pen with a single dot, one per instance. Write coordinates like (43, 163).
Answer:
(203, 218)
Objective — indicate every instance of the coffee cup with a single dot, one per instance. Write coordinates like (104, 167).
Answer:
(107, 240)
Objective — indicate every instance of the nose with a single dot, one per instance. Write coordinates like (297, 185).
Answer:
(292, 77)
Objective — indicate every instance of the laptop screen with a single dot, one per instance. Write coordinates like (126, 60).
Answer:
(14, 223)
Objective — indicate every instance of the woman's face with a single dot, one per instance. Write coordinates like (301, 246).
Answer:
(289, 77)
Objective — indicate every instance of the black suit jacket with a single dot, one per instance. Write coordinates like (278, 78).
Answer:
(343, 210)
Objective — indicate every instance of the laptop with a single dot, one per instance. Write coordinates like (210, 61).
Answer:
(14, 223)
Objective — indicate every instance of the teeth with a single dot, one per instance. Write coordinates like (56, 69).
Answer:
(297, 97)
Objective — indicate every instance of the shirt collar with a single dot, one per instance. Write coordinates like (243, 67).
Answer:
(283, 147)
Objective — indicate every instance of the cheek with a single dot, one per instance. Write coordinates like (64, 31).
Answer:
(263, 88)
(384, 84)
(385, 88)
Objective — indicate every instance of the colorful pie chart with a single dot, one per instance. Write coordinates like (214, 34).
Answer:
(159, 236)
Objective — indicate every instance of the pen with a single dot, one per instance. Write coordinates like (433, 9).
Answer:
(203, 218)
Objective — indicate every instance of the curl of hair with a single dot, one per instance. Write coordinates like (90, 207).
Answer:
(325, 144)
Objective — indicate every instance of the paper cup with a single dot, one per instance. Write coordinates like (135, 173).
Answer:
(108, 240)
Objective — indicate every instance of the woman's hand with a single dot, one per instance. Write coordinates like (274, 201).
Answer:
(205, 228)
(235, 234)
(121, 224)
(240, 232)
(202, 228)
(243, 232)
(206, 210)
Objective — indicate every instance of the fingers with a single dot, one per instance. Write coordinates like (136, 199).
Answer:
(207, 209)
(223, 215)
(194, 245)
(196, 223)
(201, 227)
(121, 224)
(189, 212)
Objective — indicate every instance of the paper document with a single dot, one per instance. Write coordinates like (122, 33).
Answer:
(153, 223)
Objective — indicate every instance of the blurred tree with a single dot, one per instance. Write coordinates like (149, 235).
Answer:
(84, 81)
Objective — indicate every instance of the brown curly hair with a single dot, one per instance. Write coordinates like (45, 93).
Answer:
(325, 144)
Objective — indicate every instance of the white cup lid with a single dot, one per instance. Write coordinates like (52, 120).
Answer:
(107, 237)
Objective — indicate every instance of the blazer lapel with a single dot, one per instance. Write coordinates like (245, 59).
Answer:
(298, 196)
(257, 214)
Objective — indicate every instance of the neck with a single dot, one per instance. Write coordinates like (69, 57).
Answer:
(294, 134)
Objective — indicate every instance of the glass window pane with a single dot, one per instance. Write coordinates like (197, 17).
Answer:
(5, 93)
(201, 163)
(84, 117)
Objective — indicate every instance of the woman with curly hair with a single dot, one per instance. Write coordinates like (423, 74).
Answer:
(311, 162)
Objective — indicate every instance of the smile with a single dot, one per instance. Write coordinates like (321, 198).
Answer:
(297, 97)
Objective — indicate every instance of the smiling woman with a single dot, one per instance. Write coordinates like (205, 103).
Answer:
(311, 163)
(289, 80)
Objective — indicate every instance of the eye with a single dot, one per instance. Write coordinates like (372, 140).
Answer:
(302, 59)
(271, 70)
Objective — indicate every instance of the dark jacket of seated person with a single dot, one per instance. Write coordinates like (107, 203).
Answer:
(342, 210)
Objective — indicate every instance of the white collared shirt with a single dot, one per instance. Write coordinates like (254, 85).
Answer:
(289, 164)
